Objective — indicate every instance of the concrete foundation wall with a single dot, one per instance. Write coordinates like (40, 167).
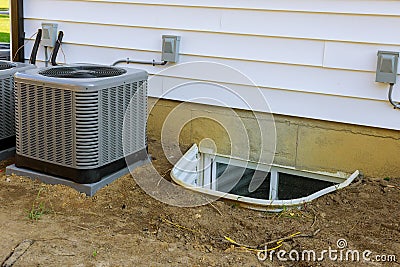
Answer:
(302, 143)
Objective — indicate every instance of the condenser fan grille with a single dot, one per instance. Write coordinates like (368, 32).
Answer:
(6, 65)
(83, 72)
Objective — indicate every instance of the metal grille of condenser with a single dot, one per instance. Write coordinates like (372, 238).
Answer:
(7, 126)
(114, 104)
(44, 123)
(78, 127)
(7, 112)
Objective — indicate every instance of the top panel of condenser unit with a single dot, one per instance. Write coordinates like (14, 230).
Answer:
(80, 84)
(9, 68)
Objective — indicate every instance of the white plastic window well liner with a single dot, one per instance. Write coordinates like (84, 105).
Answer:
(199, 172)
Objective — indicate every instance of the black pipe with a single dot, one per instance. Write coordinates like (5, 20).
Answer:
(35, 48)
(128, 61)
(395, 105)
(17, 30)
(56, 48)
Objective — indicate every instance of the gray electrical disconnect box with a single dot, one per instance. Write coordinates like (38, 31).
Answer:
(386, 70)
(49, 35)
(170, 48)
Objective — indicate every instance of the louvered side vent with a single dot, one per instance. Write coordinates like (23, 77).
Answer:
(115, 102)
(7, 121)
(142, 106)
(44, 129)
(87, 129)
(135, 121)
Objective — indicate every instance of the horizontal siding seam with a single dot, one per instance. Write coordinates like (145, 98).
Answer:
(241, 8)
(217, 57)
(203, 56)
(213, 32)
(276, 88)
(260, 87)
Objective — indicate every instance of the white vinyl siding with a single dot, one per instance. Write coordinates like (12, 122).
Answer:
(311, 58)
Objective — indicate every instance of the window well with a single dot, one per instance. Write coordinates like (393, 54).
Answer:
(253, 185)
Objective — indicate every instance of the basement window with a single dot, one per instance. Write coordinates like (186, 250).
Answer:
(253, 185)
(229, 182)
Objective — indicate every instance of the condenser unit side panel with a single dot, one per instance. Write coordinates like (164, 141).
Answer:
(114, 106)
(85, 137)
(7, 103)
(44, 124)
(7, 121)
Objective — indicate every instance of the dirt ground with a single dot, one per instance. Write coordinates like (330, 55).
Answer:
(123, 226)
